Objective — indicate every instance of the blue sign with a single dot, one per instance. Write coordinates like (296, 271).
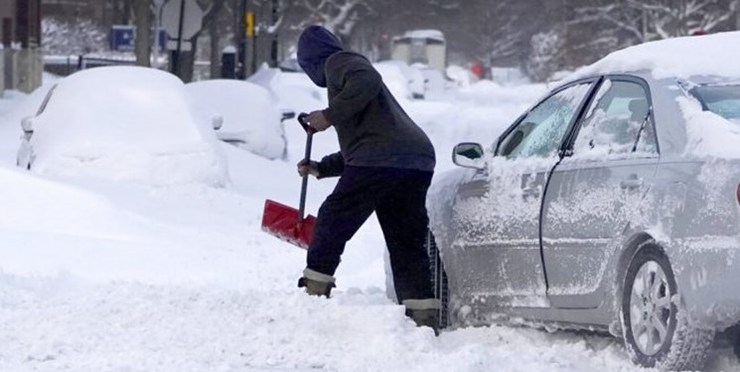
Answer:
(122, 38)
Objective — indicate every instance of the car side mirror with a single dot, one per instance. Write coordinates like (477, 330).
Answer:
(217, 121)
(27, 125)
(468, 155)
(287, 115)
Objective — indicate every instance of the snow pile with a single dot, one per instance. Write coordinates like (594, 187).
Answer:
(681, 57)
(412, 76)
(42, 205)
(14, 106)
(708, 134)
(17, 105)
(125, 123)
(462, 77)
(248, 112)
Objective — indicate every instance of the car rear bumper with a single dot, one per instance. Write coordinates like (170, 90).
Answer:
(708, 275)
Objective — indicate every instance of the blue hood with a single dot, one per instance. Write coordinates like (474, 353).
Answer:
(315, 45)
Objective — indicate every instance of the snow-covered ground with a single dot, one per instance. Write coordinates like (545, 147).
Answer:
(97, 275)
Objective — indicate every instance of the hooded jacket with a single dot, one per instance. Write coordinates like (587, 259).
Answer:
(373, 129)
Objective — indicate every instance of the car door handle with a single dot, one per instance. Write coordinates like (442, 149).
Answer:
(633, 182)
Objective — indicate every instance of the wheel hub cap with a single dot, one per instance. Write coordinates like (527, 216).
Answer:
(650, 308)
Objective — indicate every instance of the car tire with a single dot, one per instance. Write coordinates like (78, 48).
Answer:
(656, 333)
(439, 280)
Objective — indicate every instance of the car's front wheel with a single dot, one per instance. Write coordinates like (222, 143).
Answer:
(655, 334)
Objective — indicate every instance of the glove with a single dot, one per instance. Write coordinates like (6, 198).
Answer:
(308, 167)
(318, 121)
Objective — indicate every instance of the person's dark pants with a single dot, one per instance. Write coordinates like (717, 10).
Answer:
(398, 197)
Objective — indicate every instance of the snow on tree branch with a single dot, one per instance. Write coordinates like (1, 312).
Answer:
(336, 15)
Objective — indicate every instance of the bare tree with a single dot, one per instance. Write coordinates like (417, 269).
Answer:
(670, 18)
(142, 45)
(339, 16)
(121, 10)
(217, 24)
(495, 33)
(658, 19)
(75, 36)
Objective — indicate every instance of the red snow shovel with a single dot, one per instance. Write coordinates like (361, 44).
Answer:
(286, 222)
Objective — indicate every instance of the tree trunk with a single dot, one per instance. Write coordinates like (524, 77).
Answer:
(143, 14)
(212, 20)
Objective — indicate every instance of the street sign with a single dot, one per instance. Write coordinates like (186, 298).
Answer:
(123, 37)
(249, 24)
(192, 18)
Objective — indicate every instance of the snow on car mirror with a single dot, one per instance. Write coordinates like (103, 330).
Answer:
(217, 121)
(27, 125)
(468, 155)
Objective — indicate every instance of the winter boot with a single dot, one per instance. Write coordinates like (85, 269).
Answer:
(316, 283)
(425, 313)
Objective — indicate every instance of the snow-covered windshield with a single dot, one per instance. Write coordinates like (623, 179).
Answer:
(723, 100)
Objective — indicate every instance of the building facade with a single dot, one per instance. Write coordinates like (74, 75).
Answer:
(20, 35)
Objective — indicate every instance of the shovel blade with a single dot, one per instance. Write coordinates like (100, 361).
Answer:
(284, 222)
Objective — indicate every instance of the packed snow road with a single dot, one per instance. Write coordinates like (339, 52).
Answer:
(99, 275)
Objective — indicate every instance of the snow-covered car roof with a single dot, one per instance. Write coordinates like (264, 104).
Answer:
(672, 67)
(125, 123)
(682, 57)
(435, 35)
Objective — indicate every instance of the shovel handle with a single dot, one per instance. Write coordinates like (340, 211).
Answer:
(304, 184)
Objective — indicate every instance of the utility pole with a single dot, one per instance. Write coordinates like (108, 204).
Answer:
(242, 46)
(274, 35)
(143, 32)
(250, 59)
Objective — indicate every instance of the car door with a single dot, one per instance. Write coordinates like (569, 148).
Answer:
(495, 258)
(596, 190)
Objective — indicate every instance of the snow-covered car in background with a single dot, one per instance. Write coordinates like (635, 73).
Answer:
(124, 124)
(436, 84)
(394, 72)
(250, 118)
(612, 204)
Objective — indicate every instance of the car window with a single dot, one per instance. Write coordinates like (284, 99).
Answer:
(541, 131)
(617, 121)
(723, 100)
(45, 101)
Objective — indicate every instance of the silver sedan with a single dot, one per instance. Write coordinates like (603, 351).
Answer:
(601, 207)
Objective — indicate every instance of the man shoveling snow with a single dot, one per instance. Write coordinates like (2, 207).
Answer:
(385, 164)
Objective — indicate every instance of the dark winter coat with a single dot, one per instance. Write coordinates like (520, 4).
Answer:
(373, 129)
